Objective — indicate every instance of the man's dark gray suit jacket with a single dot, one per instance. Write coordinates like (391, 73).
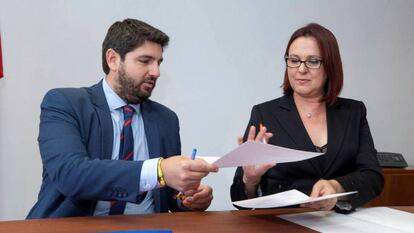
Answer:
(75, 141)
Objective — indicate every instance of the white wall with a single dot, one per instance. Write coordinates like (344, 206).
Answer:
(224, 57)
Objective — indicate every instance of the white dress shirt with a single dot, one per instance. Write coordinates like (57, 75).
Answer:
(148, 180)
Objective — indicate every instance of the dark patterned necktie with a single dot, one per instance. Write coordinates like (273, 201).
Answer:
(126, 152)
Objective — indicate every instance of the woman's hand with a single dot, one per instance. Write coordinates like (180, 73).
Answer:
(252, 174)
(323, 188)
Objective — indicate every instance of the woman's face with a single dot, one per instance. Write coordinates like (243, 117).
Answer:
(306, 82)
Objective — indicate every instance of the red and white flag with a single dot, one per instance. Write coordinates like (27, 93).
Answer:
(1, 62)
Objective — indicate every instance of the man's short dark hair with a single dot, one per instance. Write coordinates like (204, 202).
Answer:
(125, 36)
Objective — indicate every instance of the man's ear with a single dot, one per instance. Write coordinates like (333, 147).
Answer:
(113, 59)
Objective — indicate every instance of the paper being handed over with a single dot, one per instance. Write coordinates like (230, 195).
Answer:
(254, 153)
(287, 198)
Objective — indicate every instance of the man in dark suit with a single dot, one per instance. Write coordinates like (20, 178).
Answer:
(84, 133)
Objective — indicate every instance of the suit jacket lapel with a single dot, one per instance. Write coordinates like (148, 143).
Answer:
(151, 129)
(153, 142)
(338, 120)
(289, 119)
(104, 117)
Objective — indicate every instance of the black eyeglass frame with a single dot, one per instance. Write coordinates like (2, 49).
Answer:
(305, 62)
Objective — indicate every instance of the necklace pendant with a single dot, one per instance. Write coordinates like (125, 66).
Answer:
(309, 115)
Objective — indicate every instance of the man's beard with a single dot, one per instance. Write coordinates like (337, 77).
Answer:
(130, 90)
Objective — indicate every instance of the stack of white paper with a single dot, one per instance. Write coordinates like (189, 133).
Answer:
(377, 219)
(288, 198)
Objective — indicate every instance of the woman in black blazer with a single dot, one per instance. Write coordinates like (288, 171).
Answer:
(311, 117)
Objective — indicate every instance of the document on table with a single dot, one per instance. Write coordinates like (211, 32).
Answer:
(287, 198)
(254, 153)
(143, 231)
(364, 220)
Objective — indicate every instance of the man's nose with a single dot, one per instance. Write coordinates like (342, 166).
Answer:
(155, 70)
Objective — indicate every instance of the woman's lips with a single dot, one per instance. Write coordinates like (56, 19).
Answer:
(302, 81)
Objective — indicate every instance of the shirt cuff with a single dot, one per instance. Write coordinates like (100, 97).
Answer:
(259, 191)
(343, 205)
(149, 176)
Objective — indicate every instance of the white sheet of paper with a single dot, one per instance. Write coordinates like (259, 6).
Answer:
(375, 219)
(209, 159)
(254, 153)
(287, 198)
